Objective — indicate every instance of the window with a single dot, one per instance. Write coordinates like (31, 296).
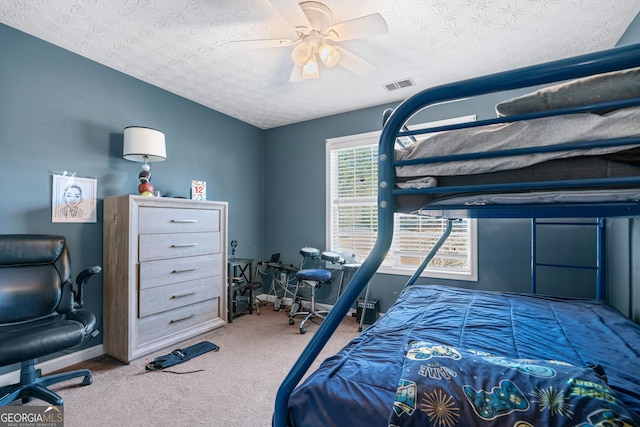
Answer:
(352, 179)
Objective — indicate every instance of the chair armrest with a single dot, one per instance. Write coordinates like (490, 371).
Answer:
(81, 280)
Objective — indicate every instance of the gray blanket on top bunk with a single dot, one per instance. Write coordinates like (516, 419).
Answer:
(538, 132)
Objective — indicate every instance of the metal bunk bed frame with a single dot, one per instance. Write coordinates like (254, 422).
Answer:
(599, 266)
(571, 68)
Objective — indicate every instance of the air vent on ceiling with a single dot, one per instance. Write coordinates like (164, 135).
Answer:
(400, 84)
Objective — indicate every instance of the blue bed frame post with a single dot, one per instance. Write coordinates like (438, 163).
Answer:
(386, 208)
(601, 270)
(534, 242)
(432, 253)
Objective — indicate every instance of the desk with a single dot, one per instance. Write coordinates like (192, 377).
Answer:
(240, 291)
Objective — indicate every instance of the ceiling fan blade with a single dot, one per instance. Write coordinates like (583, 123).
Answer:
(263, 43)
(291, 11)
(354, 63)
(365, 26)
(296, 74)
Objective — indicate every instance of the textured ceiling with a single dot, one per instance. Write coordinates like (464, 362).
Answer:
(184, 46)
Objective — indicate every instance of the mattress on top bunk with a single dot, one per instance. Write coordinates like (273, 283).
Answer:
(612, 122)
(480, 344)
(546, 131)
(568, 164)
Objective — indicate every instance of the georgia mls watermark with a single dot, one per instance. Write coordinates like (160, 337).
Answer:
(31, 416)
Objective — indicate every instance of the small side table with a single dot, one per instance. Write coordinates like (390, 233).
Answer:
(240, 287)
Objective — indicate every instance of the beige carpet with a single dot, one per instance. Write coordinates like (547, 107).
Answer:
(237, 387)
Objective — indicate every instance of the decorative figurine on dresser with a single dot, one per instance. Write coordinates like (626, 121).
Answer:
(146, 187)
(165, 272)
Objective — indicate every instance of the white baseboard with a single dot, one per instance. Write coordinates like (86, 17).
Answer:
(56, 364)
(289, 301)
(272, 298)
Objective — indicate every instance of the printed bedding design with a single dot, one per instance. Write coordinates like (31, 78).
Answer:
(445, 386)
(446, 356)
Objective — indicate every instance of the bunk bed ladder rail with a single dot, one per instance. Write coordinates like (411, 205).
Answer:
(599, 267)
(432, 253)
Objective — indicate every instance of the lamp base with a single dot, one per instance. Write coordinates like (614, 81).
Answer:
(146, 189)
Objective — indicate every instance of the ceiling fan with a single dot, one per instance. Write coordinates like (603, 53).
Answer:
(316, 38)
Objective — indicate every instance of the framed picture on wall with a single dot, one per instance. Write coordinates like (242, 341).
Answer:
(73, 199)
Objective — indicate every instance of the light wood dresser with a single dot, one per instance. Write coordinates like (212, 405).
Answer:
(164, 272)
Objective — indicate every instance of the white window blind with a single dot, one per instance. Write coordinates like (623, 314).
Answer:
(352, 217)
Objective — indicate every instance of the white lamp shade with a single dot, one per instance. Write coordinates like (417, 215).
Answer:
(142, 143)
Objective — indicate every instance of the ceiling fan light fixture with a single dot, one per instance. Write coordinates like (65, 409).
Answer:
(329, 55)
(317, 34)
(310, 70)
(301, 53)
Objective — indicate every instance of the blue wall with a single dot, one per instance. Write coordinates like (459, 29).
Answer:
(62, 112)
(295, 204)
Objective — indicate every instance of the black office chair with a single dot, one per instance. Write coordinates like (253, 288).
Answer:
(40, 312)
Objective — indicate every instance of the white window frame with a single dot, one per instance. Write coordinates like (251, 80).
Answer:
(389, 265)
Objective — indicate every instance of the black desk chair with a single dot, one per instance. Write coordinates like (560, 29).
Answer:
(40, 312)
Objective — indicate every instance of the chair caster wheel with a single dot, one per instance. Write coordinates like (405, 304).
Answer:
(87, 381)
(291, 321)
(303, 331)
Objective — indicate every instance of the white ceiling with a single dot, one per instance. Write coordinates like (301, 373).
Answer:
(184, 46)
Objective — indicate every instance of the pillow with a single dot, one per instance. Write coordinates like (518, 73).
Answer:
(587, 90)
(446, 386)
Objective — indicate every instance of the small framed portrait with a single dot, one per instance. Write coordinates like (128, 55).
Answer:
(73, 199)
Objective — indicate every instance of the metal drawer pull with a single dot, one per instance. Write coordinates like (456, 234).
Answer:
(182, 319)
(184, 245)
(183, 295)
(184, 221)
(184, 270)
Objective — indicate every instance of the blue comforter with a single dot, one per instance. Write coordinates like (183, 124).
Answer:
(440, 354)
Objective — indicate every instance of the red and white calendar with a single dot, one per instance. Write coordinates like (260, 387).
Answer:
(199, 190)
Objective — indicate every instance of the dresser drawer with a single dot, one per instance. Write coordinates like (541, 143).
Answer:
(174, 270)
(169, 297)
(176, 220)
(168, 322)
(164, 246)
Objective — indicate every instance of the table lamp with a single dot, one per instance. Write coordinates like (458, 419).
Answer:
(142, 144)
